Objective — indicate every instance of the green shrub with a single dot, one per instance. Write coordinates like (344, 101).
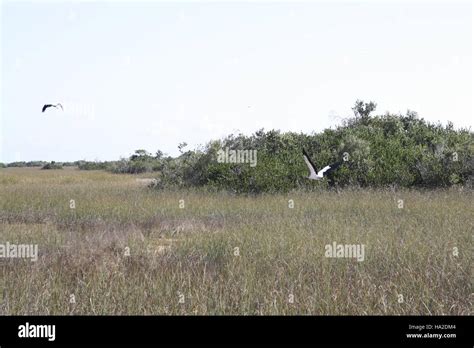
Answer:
(17, 164)
(52, 165)
(140, 162)
(384, 150)
(27, 164)
(87, 165)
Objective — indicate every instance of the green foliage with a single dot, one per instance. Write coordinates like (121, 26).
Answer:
(3, 165)
(19, 164)
(363, 110)
(52, 165)
(378, 151)
(87, 165)
(140, 162)
(130, 167)
(16, 164)
(381, 151)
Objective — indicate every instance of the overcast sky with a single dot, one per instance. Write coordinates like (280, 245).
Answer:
(151, 75)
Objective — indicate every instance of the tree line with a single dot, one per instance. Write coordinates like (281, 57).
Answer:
(378, 151)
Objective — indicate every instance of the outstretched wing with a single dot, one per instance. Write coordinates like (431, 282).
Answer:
(60, 106)
(329, 169)
(309, 163)
(45, 107)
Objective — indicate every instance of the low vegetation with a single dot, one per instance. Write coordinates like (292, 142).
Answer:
(126, 249)
(217, 237)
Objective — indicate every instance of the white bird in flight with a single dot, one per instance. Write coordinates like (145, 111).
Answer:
(323, 172)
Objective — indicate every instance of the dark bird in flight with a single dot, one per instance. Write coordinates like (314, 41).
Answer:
(51, 105)
(323, 173)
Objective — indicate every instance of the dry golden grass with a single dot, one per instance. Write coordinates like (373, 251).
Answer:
(183, 260)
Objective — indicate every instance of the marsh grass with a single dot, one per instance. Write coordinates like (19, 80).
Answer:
(228, 254)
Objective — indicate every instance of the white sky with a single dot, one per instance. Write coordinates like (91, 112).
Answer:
(151, 75)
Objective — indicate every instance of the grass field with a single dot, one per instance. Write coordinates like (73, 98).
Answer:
(128, 249)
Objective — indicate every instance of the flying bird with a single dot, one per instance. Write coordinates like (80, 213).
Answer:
(323, 173)
(51, 105)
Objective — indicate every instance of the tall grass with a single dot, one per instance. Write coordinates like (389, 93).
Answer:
(228, 254)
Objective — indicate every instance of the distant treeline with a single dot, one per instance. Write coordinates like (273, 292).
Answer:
(42, 164)
(140, 162)
(379, 151)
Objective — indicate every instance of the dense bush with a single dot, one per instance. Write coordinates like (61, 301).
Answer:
(140, 162)
(27, 164)
(52, 165)
(385, 150)
(17, 164)
(87, 165)
(131, 167)
(3, 165)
